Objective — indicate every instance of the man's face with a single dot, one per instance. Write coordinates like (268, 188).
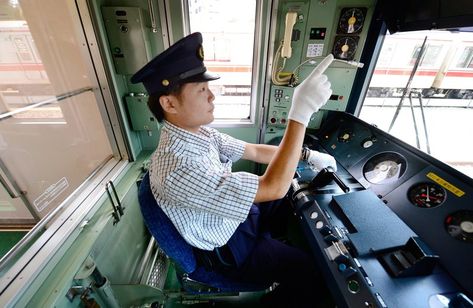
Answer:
(194, 106)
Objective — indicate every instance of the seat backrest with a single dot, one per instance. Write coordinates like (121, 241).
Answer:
(163, 231)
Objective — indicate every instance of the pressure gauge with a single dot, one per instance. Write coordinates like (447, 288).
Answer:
(460, 225)
(427, 195)
(351, 20)
(344, 47)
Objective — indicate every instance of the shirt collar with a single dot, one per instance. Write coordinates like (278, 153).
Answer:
(200, 141)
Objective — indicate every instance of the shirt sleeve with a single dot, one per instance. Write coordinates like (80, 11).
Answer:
(229, 147)
(227, 194)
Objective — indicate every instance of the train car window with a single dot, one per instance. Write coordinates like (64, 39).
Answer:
(421, 92)
(430, 57)
(228, 30)
(52, 134)
(466, 58)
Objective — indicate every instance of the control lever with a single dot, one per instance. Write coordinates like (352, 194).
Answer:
(327, 175)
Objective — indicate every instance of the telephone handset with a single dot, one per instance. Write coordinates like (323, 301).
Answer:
(286, 50)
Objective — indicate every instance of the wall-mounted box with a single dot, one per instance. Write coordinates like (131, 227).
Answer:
(127, 38)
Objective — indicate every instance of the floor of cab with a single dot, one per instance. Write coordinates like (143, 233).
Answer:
(322, 299)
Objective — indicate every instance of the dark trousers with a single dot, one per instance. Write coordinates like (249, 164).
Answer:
(255, 256)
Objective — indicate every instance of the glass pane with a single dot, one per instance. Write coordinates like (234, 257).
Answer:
(52, 135)
(228, 29)
(441, 91)
(12, 210)
(466, 59)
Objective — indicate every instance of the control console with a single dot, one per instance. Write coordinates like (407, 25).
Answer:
(390, 228)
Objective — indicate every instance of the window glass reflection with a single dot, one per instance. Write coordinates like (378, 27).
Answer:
(52, 134)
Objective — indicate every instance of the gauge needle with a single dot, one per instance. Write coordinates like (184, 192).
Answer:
(427, 199)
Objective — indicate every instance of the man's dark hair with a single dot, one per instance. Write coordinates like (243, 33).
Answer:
(155, 106)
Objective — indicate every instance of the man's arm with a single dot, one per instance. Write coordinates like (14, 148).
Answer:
(274, 183)
(259, 153)
(308, 97)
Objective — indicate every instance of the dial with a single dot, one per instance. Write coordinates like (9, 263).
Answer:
(351, 20)
(345, 47)
(368, 142)
(345, 136)
(460, 225)
(427, 195)
(384, 168)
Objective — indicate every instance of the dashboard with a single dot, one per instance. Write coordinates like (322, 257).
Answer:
(393, 227)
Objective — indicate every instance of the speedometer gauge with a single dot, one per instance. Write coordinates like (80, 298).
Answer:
(384, 168)
(427, 195)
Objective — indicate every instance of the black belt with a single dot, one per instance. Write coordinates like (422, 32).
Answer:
(219, 258)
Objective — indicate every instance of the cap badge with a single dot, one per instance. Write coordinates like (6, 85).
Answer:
(200, 52)
(165, 82)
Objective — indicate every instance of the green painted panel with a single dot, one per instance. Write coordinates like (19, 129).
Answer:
(314, 16)
(8, 239)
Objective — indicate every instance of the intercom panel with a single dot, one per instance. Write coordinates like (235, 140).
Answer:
(308, 32)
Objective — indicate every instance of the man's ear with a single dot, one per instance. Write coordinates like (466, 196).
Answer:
(168, 103)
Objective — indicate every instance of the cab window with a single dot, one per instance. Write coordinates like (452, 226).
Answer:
(228, 30)
(435, 113)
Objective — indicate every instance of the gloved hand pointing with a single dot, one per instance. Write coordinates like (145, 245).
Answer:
(311, 94)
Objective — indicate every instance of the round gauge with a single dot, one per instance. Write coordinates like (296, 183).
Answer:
(345, 136)
(368, 142)
(460, 225)
(345, 47)
(384, 168)
(427, 195)
(351, 20)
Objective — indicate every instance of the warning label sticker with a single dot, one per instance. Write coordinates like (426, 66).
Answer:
(50, 194)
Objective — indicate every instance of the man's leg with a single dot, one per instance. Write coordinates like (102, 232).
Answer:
(274, 217)
(294, 270)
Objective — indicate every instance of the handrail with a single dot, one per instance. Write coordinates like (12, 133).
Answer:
(58, 98)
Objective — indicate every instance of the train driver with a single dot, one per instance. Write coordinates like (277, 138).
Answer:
(228, 216)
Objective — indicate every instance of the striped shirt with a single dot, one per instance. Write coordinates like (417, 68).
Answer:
(192, 180)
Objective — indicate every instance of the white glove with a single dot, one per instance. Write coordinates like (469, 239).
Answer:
(321, 160)
(311, 94)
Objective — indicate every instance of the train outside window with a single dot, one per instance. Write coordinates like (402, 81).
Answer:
(428, 105)
(229, 52)
(52, 133)
(466, 59)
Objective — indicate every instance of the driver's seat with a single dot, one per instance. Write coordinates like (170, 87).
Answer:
(194, 278)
